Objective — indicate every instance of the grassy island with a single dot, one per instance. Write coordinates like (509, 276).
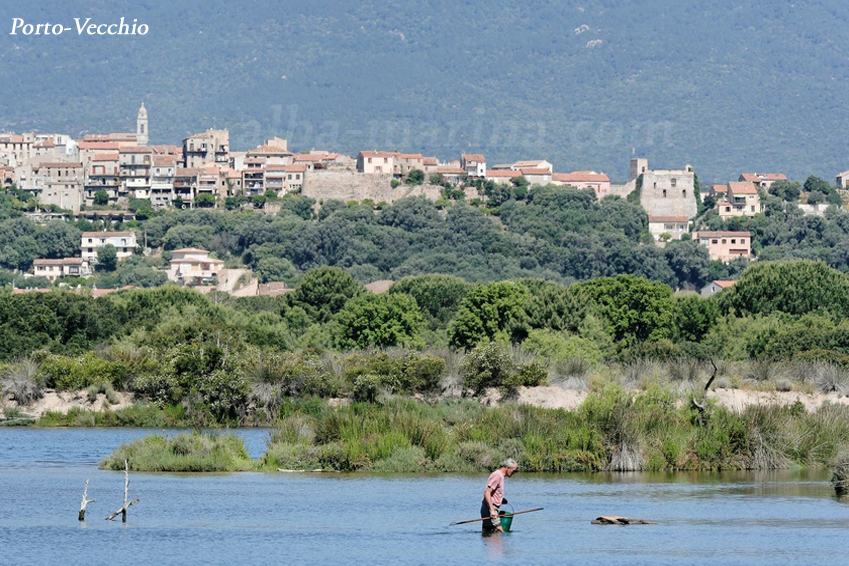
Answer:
(614, 429)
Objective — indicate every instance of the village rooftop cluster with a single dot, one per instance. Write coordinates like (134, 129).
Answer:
(97, 177)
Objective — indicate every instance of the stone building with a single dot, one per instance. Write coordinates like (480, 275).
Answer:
(212, 146)
(665, 192)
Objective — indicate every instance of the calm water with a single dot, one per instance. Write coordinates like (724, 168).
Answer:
(254, 518)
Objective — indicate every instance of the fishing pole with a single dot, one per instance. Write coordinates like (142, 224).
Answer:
(504, 515)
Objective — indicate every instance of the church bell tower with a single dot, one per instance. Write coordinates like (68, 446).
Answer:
(142, 132)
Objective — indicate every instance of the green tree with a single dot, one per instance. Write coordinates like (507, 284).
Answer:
(694, 317)
(793, 287)
(324, 291)
(438, 296)
(205, 200)
(275, 269)
(384, 320)
(491, 312)
(101, 198)
(636, 310)
(107, 258)
(416, 177)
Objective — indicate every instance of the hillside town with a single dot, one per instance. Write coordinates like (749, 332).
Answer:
(98, 176)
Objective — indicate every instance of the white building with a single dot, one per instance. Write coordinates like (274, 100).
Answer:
(124, 242)
(193, 265)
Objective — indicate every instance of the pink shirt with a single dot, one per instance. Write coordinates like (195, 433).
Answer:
(495, 485)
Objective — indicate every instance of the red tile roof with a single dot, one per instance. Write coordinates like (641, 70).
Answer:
(743, 188)
(474, 157)
(506, 173)
(721, 234)
(528, 171)
(669, 219)
(105, 157)
(581, 177)
(106, 234)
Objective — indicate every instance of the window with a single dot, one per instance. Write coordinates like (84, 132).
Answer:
(724, 241)
(714, 241)
(369, 159)
(742, 240)
(664, 193)
(674, 182)
(727, 209)
(684, 193)
(733, 241)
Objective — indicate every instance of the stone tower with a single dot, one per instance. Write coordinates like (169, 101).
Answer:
(142, 132)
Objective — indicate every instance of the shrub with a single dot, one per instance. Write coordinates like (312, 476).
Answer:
(488, 365)
(20, 382)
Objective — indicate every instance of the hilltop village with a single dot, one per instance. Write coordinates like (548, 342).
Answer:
(109, 177)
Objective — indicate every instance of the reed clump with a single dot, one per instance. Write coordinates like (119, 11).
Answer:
(186, 452)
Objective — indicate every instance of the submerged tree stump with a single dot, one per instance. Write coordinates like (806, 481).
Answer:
(123, 510)
(614, 520)
(85, 502)
(840, 476)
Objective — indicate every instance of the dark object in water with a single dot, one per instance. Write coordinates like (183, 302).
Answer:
(614, 520)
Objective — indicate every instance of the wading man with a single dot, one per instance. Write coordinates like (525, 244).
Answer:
(493, 496)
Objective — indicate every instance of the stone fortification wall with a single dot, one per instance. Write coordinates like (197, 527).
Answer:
(668, 193)
(350, 185)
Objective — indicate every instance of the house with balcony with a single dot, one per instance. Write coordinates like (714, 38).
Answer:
(212, 146)
(54, 269)
(193, 266)
(672, 226)
(135, 164)
(474, 164)
(741, 199)
(124, 242)
(762, 180)
(163, 173)
(102, 174)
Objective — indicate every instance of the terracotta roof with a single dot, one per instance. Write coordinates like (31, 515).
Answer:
(45, 143)
(105, 157)
(474, 157)
(581, 177)
(717, 188)
(137, 149)
(190, 250)
(743, 188)
(377, 154)
(269, 149)
(99, 145)
(750, 177)
(296, 168)
(528, 163)
(430, 161)
(106, 234)
(451, 170)
(63, 261)
(529, 171)
(412, 156)
(669, 218)
(721, 234)
(724, 283)
(506, 173)
(50, 164)
(774, 176)
(164, 159)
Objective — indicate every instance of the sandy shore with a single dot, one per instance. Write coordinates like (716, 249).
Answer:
(64, 401)
(549, 397)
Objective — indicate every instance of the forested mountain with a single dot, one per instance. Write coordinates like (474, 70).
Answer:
(726, 86)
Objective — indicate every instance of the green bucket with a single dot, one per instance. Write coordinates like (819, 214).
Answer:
(506, 520)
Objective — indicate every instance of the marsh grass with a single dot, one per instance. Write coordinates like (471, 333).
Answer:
(186, 452)
(20, 382)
